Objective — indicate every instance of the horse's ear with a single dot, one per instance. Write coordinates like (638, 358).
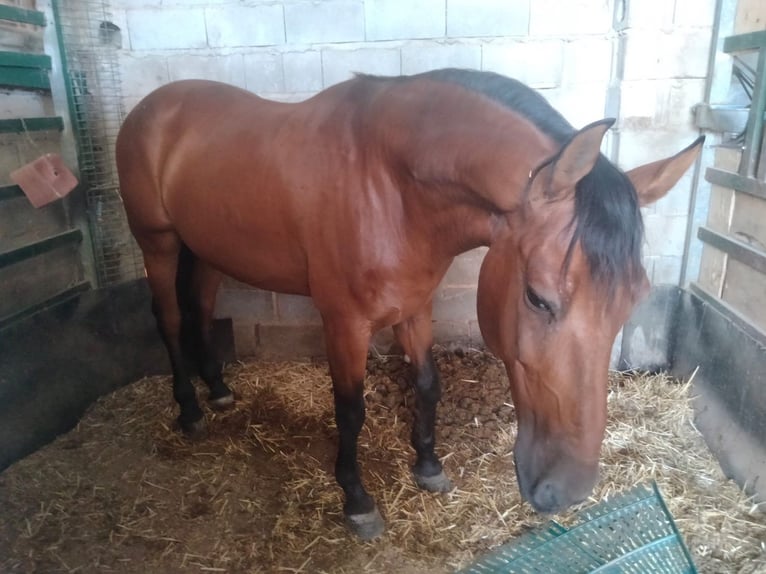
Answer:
(654, 180)
(577, 157)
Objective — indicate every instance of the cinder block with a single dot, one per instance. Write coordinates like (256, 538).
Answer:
(638, 147)
(244, 339)
(455, 304)
(141, 75)
(452, 333)
(404, 19)
(694, 13)
(464, 271)
(477, 341)
(229, 69)
(581, 104)
(468, 18)
(297, 309)
(650, 54)
(303, 71)
(647, 14)
(339, 65)
(279, 342)
(167, 29)
(245, 305)
(588, 61)
(421, 57)
(263, 73)
(232, 26)
(665, 234)
(324, 22)
(537, 64)
(575, 17)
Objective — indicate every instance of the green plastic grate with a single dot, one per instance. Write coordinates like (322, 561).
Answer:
(632, 533)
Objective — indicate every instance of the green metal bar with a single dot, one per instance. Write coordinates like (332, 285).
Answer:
(10, 192)
(39, 247)
(742, 42)
(20, 15)
(24, 60)
(19, 125)
(29, 78)
(749, 163)
(60, 297)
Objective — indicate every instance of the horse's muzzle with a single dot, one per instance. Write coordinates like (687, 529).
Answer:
(555, 487)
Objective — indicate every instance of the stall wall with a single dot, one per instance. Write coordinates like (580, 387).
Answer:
(643, 62)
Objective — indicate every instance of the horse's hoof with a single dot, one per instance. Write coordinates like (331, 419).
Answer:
(196, 430)
(437, 483)
(366, 526)
(222, 403)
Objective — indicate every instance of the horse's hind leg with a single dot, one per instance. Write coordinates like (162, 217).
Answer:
(415, 336)
(161, 256)
(197, 286)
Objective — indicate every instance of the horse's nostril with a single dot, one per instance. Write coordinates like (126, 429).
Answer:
(545, 497)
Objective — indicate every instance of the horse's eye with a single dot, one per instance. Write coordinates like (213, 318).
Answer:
(537, 302)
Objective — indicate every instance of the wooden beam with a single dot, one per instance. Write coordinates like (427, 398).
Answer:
(59, 297)
(744, 252)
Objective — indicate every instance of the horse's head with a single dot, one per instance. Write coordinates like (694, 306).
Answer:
(558, 282)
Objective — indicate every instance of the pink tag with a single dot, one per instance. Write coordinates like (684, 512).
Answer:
(45, 179)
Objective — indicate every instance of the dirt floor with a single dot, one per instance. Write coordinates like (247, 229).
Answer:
(124, 492)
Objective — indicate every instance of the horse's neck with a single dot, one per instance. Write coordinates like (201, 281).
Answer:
(466, 141)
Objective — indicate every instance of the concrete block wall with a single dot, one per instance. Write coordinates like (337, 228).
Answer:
(587, 61)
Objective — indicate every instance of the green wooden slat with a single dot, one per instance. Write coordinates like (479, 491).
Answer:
(30, 78)
(20, 15)
(10, 192)
(60, 297)
(741, 42)
(24, 60)
(31, 124)
(39, 247)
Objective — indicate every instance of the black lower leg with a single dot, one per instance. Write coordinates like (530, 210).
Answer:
(427, 395)
(349, 417)
(210, 368)
(183, 389)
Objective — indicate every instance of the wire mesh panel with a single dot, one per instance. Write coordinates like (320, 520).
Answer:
(90, 42)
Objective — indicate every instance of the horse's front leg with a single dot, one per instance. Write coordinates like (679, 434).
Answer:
(347, 345)
(415, 336)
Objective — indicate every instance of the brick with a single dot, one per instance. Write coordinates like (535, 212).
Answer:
(650, 14)
(650, 54)
(278, 342)
(404, 19)
(423, 57)
(469, 18)
(229, 69)
(587, 61)
(245, 305)
(665, 234)
(667, 271)
(234, 26)
(263, 73)
(514, 59)
(324, 22)
(455, 304)
(244, 339)
(581, 104)
(165, 29)
(464, 271)
(297, 309)
(339, 65)
(303, 71)
(575, 17)
(694, 13)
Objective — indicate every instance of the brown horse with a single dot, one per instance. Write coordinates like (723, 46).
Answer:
(361, 197)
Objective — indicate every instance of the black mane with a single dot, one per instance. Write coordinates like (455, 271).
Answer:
(607, 221)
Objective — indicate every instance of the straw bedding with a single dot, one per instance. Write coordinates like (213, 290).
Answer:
(124, 492)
